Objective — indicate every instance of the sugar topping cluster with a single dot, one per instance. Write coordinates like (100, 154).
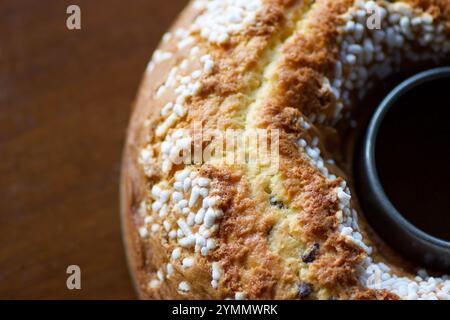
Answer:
(346, 216)
(185, 87)
(375, 39)
(224, 17)
(184, 215)
(422, 287)
(175, 144)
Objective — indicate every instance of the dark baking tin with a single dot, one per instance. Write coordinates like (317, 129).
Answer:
(398, 232)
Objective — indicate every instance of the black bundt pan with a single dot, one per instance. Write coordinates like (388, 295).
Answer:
(381, 214)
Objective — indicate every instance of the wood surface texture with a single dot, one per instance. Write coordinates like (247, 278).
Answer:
(65, 100)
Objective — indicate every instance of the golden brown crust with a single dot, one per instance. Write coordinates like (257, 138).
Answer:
(267, 76)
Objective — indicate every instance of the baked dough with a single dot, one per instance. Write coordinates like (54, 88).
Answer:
(211, 230)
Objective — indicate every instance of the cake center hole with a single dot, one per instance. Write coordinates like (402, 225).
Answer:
(413, 156)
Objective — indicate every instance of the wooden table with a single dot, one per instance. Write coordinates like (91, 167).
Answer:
(65, 100)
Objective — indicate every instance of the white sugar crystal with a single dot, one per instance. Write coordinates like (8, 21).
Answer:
(239, 296)
(188, 262)
(143, 233)
(184, 287)
(176, 254)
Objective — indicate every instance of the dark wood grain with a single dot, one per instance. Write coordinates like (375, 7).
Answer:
(65, 100)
